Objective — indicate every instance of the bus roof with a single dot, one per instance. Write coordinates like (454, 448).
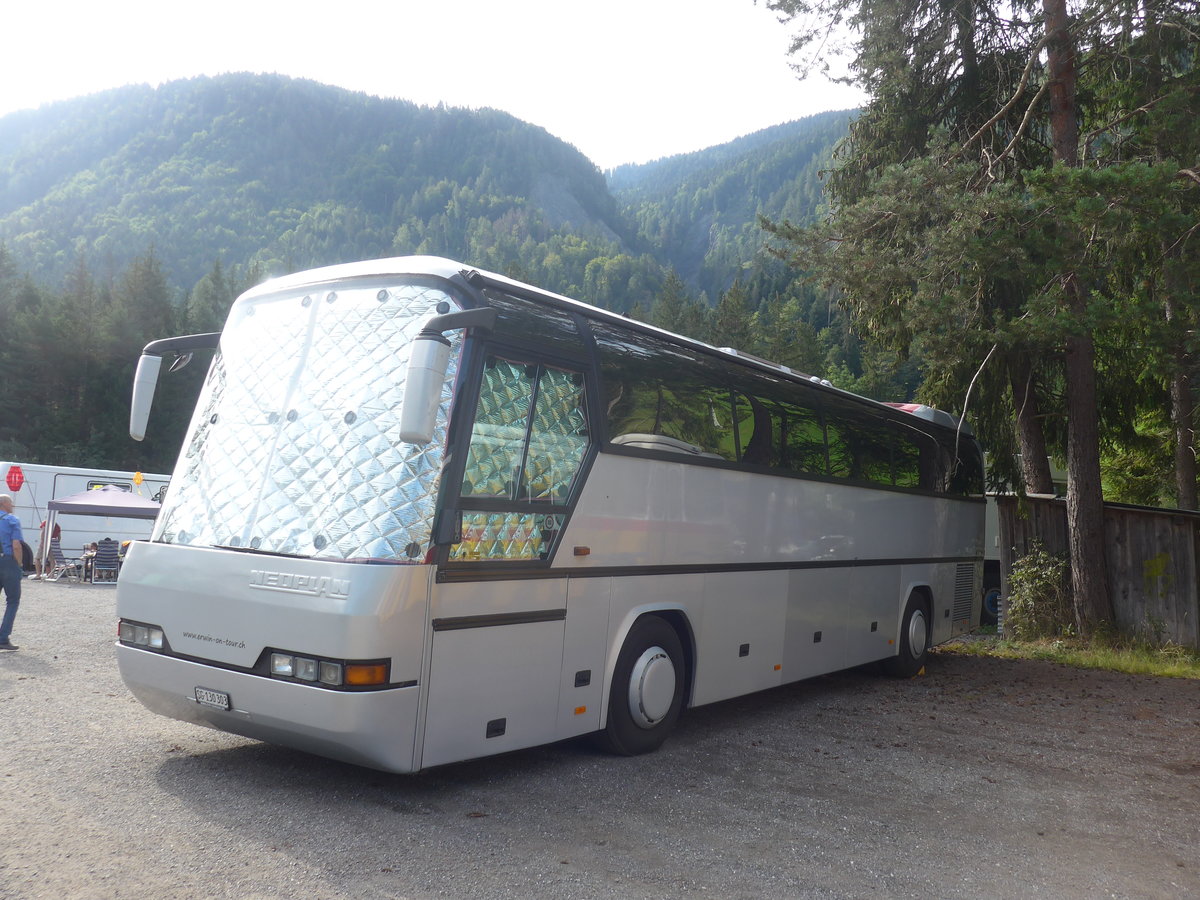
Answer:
(448, 269)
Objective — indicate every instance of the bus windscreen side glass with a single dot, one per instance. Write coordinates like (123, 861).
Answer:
(293, 445)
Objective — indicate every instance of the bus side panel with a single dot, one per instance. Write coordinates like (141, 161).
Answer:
(816, 625)
(493, 687)
(874, 614)
(956, 589)
(646, 512)
(742, 642)
(581, 686)
(639, 595)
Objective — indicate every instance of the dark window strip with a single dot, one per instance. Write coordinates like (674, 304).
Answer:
(495, 620)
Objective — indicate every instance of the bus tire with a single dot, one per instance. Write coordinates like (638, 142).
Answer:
(989, 613)
(914, 640)
(647, 689)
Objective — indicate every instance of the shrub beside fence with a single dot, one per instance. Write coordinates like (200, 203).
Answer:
(1152, 561)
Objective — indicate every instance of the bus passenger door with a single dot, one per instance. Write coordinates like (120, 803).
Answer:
(581, 687)
(494, 671)
(499, 616)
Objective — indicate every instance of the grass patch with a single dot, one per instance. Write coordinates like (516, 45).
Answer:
(1171, 661)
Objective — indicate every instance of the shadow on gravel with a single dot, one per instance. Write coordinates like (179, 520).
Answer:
(253, 765)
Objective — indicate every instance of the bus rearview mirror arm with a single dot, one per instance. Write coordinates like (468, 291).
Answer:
(149, 366)
(427, 371)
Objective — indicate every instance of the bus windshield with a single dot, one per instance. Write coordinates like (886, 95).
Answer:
(292, 448)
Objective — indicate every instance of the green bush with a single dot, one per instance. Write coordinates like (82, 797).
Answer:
(1039, 602)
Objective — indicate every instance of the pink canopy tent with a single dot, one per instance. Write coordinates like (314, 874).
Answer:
(106, 501)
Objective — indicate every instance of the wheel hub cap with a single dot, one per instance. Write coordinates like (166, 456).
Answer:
(651, 687)
(917, 634)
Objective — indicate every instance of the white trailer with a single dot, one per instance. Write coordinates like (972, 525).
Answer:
(36, 485)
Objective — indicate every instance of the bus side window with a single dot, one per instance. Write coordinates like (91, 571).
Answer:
(498, 436)
(910, 452)
(757, 431)
(841, 451)
(859, 448)
(696, 415)
(803, 441)
(966, 478)
(558, 438)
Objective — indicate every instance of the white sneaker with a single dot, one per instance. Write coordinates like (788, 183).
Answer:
(35, 577)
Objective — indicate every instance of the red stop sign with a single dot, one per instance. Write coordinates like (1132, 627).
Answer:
(15, 478)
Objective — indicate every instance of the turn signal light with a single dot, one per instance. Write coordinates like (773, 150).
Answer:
(361, 675)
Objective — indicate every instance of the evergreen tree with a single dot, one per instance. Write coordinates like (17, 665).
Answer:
(732, 320)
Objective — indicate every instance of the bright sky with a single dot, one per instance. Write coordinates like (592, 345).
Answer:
(625, 81)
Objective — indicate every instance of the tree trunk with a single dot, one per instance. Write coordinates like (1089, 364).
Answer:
(1085, 500)
(1183, 412)
(1031, 437)
(1060, 63)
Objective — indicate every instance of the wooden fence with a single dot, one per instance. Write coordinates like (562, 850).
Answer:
(1152, 561)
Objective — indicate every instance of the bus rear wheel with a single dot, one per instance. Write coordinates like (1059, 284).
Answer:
(914, 640)
(647, 689)
(989, 614)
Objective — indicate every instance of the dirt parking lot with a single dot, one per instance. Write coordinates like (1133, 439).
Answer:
(983, 778)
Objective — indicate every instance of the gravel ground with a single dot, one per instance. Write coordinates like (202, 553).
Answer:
(983, 778)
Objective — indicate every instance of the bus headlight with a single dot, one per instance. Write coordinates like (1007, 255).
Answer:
(285, 665)
(334, 673)
(139, 635)
(331, 673)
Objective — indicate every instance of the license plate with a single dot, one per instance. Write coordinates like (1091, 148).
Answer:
(211, 698)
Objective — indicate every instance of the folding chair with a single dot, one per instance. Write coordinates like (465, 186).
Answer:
(107, 562)
(60, 566)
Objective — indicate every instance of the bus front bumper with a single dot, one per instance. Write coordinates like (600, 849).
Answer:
(376, 729)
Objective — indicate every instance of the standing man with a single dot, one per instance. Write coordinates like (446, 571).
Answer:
(43, 552)
(10, 568)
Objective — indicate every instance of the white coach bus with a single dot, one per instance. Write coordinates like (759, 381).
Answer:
(425, 514)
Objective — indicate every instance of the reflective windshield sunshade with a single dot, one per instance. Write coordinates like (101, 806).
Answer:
(293, 447)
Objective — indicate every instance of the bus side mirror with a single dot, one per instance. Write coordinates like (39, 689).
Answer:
(144, 382)
(423, 388)
(427, 371)
(146, 377)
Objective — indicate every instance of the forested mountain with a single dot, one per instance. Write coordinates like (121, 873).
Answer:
(281, 172)
(702, 208)
(141, 212)
(284, 174)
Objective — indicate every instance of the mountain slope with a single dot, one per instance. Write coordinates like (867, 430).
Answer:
(284, 174)
(283, 171)
(702, 208)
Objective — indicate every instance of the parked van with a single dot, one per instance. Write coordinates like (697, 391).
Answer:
(32, 486)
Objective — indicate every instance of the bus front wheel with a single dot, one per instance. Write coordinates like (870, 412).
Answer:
(914, 640)
(646, 695)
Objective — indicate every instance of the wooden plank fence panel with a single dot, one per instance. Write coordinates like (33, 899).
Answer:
(1152, 561)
